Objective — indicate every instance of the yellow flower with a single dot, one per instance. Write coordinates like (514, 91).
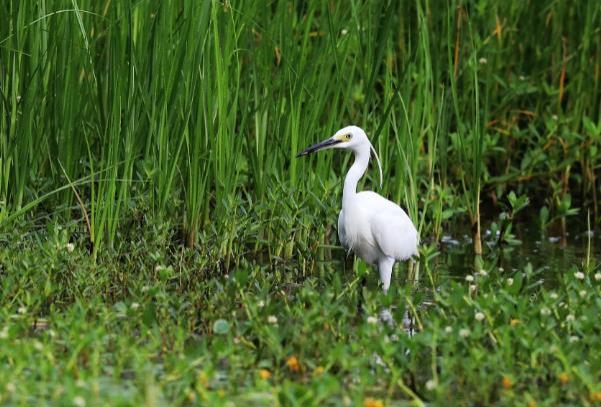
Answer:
(596, 396)
(514, 322)
(318, 371)
(532, 403)
(564, 378)
(507, 383)
(202, 380)
(264, 374)
(369, 402)
(293, 363)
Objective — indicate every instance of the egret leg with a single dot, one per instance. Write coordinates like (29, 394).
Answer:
(385, 268)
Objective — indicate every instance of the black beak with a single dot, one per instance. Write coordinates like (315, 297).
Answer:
(315, 147)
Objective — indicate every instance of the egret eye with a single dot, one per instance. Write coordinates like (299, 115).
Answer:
(348, 137)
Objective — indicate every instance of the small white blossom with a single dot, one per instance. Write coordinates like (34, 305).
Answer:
(4, 333)
(479, 316)
(158, 267)
(70, 247)
(522, 77)
(473, 288)
(372, 320)
(37, 345)
(501, 269)
(574, 339)
(579, 275)
(553, 296)
(597, 276)
(554, 117)
(582, 293)
(79, 401)
(344, 31)
(134, 305)
(545, 311)
(431, 384)
(570, 318)
(464, 333)
(510, 281)
(22, 310)
(448, 329)
(469, 278)
(483, 273)
(272, 319)
(483, 61)
(261, 304)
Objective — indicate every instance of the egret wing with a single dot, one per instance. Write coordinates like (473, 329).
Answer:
(394, 232)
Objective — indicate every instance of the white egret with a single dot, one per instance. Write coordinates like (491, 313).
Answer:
(374, 228)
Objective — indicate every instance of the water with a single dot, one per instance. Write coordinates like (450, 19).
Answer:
(545, 252)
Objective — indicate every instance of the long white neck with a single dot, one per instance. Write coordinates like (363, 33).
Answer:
(354, 174)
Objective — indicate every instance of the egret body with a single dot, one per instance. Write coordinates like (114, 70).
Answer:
(374, 228)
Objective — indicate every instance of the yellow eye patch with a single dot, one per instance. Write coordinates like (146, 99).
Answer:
(344, 137)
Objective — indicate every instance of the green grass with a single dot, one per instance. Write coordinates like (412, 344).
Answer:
(162, 133)
(156, 323)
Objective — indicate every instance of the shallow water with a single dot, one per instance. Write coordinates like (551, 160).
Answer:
(545, 252)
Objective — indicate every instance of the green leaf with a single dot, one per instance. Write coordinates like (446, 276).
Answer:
(221, 327)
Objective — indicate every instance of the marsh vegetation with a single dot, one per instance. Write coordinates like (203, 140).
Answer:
(160, 244)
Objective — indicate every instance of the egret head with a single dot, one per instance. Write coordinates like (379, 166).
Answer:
(350, 138)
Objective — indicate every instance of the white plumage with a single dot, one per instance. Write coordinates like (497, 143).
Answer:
(374, 228)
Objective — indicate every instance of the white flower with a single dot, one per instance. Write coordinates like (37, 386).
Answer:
(261, 304)
(479, 316)
(134, 305)
(522, 77)
(473, 288)
(582, 293)
(554, 117)
(272, 319)
(574, 339)
(4, 333)
(510, 281)
(37, 345)
(483, 273)
(469, 278)
(579, 275)
(344, 31)
(597, 276)
(79, 401)
(545, 311)
(570, 317)
(158, 267)
(483, 61)
(431, 384)
(70, 247)
(22, 310)
(372, 320)
(448, 329)
(464, 332)
(553, 296)
(501, 269)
